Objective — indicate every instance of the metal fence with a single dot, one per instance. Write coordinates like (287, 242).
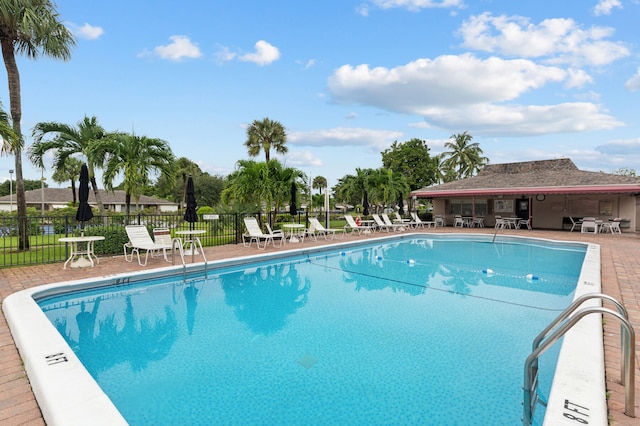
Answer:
(45, 231)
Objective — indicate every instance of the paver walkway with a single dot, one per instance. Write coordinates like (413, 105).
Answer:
(620, 279)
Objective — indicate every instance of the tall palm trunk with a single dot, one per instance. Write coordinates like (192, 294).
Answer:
(13, 77)
(94, 185)
(73, 191)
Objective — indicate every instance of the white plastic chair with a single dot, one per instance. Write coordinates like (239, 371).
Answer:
(162, 236)
(589, 225)
(254, 233)
(317, 228)
(139, 239)
(575, 223)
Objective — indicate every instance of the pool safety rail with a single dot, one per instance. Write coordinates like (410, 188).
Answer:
(557, 328)
(177, 242)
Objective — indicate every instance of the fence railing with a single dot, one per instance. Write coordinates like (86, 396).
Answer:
(45, 231)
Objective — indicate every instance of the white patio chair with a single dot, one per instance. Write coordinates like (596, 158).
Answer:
(316, 228)
(353, 226)
(395, 226)
(458, 222)
(421, 223)
(589, 225)
(575, 223)
(162, 236)
(612, 226)
(254, 233)
(139, 239)
(275, 235)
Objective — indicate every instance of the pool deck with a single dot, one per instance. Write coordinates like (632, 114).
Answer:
(620, 256)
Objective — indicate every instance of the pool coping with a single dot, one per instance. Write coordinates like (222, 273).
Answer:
(55, 372)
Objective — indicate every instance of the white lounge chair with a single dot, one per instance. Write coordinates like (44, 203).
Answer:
(396, 226)
(254, 233)
(417, 222)
(317, 228)
(139, 239)
(353, 226)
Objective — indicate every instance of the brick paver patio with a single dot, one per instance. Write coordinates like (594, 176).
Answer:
(620, 279)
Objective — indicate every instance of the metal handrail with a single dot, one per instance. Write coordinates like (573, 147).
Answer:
(573, 307)
(176, 242)
(530, 371)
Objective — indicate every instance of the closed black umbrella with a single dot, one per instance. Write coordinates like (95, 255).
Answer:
(365, 205)
(400, 205)
(190, 214)
(84, 212)
(293, 209)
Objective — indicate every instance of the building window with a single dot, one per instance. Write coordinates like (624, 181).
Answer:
(465, 207)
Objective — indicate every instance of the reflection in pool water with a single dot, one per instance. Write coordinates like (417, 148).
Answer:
(402, 332)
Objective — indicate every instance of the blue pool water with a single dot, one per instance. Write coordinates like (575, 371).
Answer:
(415, 331)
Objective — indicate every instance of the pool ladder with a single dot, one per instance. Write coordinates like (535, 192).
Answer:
(557, 328)
(177, 242)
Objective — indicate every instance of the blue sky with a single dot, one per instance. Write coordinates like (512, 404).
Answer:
(528, 80)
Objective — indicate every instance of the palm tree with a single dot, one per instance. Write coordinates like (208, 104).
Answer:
(9, 137)
(68, 141)
(135, 157)
(266, 135)
(319, 182)
(464, 157)
(69, 172)
(32, 28)
(384, 186)
(249, 184)
(352, 188)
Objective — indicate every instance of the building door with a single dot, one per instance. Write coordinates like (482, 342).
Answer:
(522, 208)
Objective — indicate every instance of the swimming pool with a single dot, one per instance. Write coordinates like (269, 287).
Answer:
(362, 333)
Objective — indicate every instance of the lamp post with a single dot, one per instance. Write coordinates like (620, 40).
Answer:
(42, 179)
(11, 190)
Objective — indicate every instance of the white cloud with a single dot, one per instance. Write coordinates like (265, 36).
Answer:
(420, 125)
(416, 5)
(558, 41)
(224, 54)
(604, 7)
(264, 54)
(363, 9)
(626, 147)
(345, 136)
(454, 92)
(306, 65)
(179, 48)
(86, 31)
(633, 83)
(516, 120)
(444, 81)
(303, 159)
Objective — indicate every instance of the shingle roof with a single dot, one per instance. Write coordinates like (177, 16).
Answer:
(63, 196)
(535, 177)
